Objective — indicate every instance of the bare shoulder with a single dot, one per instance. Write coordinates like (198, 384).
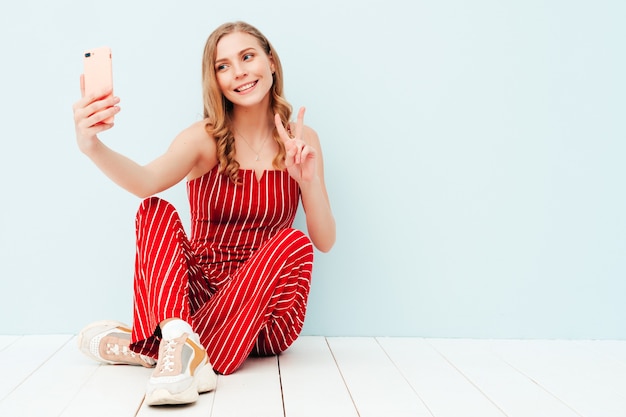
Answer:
(197, 138)
(196, 133)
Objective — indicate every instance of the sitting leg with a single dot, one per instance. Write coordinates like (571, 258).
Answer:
(164, 266)
(264, 302)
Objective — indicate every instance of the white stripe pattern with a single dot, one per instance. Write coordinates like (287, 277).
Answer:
(243, 277)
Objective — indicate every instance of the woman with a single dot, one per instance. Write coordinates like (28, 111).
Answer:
(239, 284)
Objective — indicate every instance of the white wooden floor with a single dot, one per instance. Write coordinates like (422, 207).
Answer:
(44, 376)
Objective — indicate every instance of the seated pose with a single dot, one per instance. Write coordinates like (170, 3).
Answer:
(239, 284)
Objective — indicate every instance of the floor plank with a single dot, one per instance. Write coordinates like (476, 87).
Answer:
(7, 340)
(376, 385)
(41, 394)
(111, 390)
(514, 393)
(348, 377)
(24, 356)
(589, 383)
(311, 382)
(445, 391)
(254, 390)
(615, 349)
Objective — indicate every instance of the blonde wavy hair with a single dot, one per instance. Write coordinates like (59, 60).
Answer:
(218, 109)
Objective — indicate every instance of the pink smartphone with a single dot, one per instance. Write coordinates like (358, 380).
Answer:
(98, 72)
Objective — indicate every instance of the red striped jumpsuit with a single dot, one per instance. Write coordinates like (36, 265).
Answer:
(241, 281)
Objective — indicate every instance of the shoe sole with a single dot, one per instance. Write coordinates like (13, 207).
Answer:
(204, 380)
(87, 333)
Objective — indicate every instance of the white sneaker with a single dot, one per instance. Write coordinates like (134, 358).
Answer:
(182, 372)
(108, 342)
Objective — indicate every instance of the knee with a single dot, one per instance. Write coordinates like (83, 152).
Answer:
(296, 246)
(296, 238)
(303, 244)
(153, 208)
(152, 205)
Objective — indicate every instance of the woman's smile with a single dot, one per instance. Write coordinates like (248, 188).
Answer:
(246, 87)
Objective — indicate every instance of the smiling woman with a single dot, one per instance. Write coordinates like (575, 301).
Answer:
(239, 284)
(240, 67)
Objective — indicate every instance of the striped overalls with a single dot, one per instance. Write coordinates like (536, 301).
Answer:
(242, 280)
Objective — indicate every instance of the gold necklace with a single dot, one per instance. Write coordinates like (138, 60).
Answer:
(251, 148)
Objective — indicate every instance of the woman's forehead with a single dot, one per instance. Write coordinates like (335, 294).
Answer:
(234, 43)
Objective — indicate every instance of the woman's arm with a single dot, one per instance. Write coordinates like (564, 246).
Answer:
(183, 155)
(305, 164)
(144, 181)
(320, 222)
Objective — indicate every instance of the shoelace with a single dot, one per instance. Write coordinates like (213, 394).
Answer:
(168, 363)
(114, 348)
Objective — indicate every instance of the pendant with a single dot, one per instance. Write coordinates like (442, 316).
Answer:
(257, 157)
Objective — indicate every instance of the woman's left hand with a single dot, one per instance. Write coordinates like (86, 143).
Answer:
(300, 158)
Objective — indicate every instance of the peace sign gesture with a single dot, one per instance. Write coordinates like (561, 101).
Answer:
(300, 158)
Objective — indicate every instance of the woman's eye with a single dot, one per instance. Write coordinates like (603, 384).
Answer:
(248, 56)
(220, 67)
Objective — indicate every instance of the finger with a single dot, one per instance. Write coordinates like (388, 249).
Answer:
(84, 109)
(101, 116)
(89, 119)
(281, 129)
(290, 159)
(298, 157)
(91, 126)
(300, 123)
(83, 101)
(292, 150)
(96, 101)
(82, 85)
(100, 127)
(302, 151)
(307, 152)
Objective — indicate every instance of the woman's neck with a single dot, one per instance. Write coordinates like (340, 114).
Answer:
(252, 123)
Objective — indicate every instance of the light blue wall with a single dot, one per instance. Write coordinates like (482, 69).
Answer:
(474, 157)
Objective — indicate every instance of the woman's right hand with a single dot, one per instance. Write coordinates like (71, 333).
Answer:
(90, 113)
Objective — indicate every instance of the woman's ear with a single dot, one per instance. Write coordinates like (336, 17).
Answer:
(272, 64)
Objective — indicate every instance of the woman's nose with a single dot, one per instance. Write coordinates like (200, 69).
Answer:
(239, 71)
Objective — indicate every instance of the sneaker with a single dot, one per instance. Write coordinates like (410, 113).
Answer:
(182, 372)
(108, 342)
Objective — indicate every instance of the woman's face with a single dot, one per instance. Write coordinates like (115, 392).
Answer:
(243, 69)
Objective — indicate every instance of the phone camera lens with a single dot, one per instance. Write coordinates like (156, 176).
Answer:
(88, 54)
